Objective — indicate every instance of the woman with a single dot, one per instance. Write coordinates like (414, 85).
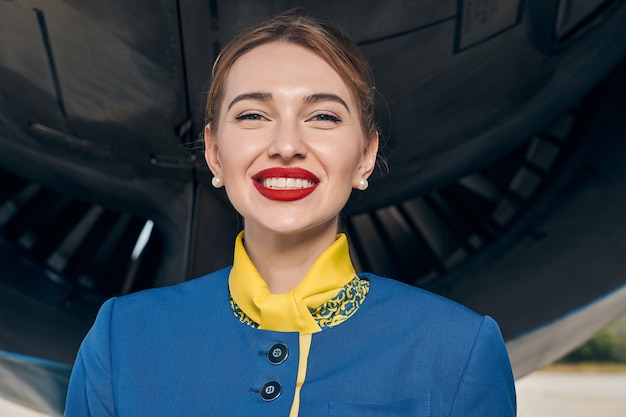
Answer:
(290, 329)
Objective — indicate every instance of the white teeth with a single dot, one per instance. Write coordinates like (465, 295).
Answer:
(286, 183)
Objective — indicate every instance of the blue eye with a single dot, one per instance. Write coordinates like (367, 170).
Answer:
(325, 117)
(249, 116)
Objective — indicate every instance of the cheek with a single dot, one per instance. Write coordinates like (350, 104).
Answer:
(346, 163)
(233, 154)
(353, 155)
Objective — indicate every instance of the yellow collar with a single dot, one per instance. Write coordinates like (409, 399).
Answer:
(289, 312)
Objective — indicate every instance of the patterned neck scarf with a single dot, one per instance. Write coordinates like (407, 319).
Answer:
(290, 312)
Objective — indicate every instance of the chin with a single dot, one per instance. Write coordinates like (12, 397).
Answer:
(295, 227)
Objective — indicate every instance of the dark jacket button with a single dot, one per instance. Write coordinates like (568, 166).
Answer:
(270, 391)
(277, 354)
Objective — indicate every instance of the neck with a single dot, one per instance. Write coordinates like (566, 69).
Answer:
(283, 260)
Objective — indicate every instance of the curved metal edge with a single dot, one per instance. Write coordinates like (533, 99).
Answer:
(33, 382)
(542, 346)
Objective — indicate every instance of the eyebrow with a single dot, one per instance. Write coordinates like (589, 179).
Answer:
(260, 96)
(326, 97)
(313, 98)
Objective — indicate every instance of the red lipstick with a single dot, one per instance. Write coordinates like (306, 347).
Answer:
(282, 192)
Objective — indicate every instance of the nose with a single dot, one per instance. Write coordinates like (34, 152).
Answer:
(288, 142)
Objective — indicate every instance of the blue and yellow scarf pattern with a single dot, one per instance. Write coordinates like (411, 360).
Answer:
(330, 293)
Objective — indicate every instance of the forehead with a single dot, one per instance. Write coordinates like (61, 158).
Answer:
(287, 68)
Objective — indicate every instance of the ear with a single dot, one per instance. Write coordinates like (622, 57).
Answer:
(368, 159)
(211, 154)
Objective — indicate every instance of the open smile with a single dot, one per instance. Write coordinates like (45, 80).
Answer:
(285, 184)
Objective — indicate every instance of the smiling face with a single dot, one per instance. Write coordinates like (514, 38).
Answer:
(290, 145)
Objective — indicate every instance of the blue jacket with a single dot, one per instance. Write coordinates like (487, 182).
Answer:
(180, 351)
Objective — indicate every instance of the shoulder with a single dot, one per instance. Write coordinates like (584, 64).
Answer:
(403, 306)
(199, 295)
(207, 285)
(448, 330)
(413, 299)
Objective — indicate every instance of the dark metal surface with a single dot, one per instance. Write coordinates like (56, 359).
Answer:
(504, 188)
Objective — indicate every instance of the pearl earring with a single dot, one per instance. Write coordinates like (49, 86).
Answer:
(217, 182)
(362, 184)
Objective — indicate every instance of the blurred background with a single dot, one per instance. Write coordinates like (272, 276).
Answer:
(504, 130)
